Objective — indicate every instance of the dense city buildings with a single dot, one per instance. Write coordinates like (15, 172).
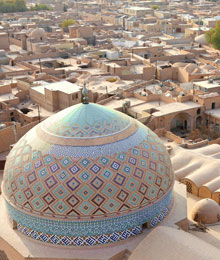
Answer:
(109, 130)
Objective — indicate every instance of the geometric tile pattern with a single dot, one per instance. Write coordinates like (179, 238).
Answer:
(122, 182)
(79, 241)
(108, 122)
(90, 227)
(59, 191)
(159, 218)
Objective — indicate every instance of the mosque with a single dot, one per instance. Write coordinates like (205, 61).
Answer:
(88, 183)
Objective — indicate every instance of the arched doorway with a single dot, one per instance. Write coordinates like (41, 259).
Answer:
(181, 124)
(198, 122)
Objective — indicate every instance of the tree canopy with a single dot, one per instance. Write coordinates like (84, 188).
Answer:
(39, 7)
(155, 7)
(11, 6)
(67, 23)
(213, 36)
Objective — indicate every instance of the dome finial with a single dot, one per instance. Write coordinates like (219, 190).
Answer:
(85, 94)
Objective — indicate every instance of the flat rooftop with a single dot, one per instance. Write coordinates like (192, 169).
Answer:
(62, 86)
(206, 84)
(175, 107)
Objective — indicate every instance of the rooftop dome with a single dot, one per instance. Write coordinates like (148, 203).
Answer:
(190, 67)
(201, 39)
(38, 34)
(87, 175)
(206, 211)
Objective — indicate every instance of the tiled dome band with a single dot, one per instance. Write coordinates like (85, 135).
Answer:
(92, 227)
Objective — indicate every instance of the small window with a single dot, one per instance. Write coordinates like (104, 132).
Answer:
(207, 122)
(73, 97)
(77, 96)
(12, 113)
(198, 111)
(213, 105)
(217, 127)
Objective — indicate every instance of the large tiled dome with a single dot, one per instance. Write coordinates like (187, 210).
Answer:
(87, 175)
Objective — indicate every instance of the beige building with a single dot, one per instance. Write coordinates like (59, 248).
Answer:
(56, 96)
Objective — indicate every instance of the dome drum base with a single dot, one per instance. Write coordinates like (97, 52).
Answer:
(94, 240)
(80, 240)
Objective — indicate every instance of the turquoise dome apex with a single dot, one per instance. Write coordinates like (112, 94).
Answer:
(87, 175)
(85, 121)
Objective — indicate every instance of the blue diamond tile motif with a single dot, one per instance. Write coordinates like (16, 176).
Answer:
(115, 165)
(97, 183)
(95, 168)
(44, 238)
(111, 205)
(121, 157)
(127, 169)
(138, 173)
(146, 146)
(134, 199)
(85, 162)
(114, 237)
(73, 184)
(38, 188)
(103, 239)
(35, 155)
(110, 190)
(145, 154)
(50, 182)
(60, 192)
(27, 167)
(31, 177)
(60, 207)
(66, 162)
(38, 164)
(149, 178)
(107, 174)
(48, 159)
(154, 156)
(38, 203)
(104, 161)
(66, 241)
(85, 176)
(34, 234)
(74, 169)
(143, 163)
(132, 160)
(21, 182)
(62, 175)
(165, 182)
(119, 179)
(86, 208)
(132, 184)
(78, 241)
(126, 234)
(85, 192)
(153, 166)
(54, 239)
(90, 241)
(43, 172)
(135, 151)
(152, 192)
(54, 167)
(19, 197)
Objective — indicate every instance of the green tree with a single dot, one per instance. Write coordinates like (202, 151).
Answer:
(213, 36)
(65, 8)
(155, 7)
(67, 23)
(39, 7)
(12, 6)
